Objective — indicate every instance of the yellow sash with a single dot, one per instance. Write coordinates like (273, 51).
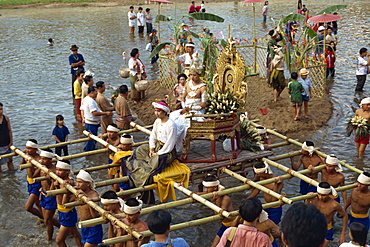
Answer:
(113, 170)
(330, 226)
(334, 197)
(271, 238)
(359, 216)
(227, 224)
(64, 210)
(30, 180)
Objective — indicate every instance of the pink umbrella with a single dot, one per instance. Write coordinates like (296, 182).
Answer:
(160, 1)
(324, 18)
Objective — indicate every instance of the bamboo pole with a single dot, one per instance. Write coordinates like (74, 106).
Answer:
(148, 210)
(286, 155)
(257, 186)
(110, 217)
(300, 145)
(143, 129)
(101, 141)
(279, 144)
(200, 199)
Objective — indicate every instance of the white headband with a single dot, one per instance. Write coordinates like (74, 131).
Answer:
(363, 179)
(265, 169)
(326, 191)
(211, 183)
(112, 128)
(63, 165)
(132, 209)
(31, 144)
(125, 140)
(162, 107)
(331, 160)
(85, 176)
(365, 101)
(189, 45)
(263, 216)
(261, 131)
(50, 155)
(309, 149)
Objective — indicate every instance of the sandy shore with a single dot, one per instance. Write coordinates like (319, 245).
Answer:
(279, 116)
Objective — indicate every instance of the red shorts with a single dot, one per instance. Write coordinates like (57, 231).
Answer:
(363, 140)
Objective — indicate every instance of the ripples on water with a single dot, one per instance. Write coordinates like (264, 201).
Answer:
(35, 87)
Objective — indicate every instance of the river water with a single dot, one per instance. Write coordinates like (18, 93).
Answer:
(35, 87)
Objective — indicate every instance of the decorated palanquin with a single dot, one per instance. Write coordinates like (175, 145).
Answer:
(229, 79)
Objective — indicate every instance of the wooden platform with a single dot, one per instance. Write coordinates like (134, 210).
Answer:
(201, 149)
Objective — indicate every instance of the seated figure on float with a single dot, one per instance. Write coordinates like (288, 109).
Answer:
(195, 101)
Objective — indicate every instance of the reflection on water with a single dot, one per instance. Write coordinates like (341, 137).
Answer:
(35, 87)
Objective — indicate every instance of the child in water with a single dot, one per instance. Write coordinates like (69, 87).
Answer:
(60, 133)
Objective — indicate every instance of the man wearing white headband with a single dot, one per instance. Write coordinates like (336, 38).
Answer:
(33, 187)
(359, 200)
(329, 207)
(362, 141)
(48, 204)
(266, 141)
(262, 171)
(125, 151)
(310, 160)
(91, 236)
(187, 58)
(132, 208)
(67, 216)
(332, 175)
(113, 139)
(211, 185)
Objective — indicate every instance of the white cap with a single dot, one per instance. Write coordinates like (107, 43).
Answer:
(321, 28)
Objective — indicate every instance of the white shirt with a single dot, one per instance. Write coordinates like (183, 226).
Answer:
(165, 133)
(264, 10)
(361, 66)
(350, 245)
(140, 16)
(186, 58)
(89, 106)
(202, 6)
(132, 22)
(147, 16)
(306, 86)
(133, 69)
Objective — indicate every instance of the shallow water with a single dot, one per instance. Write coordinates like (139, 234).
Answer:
(35, 87)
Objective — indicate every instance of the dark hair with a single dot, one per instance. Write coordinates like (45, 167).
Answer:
(79, 72)
(91, 89)
(123, 89)
(140, 8)
(303, 225)
(266, 2)
(330, 48)
(131, 7)
(271, 32)
(87, 78)
(99, 84)
(310, 143)
(133, 52)
(126, 136)
(132, 202)
(367, 174)
(294, 75)
(158, 221)
(210, 178)
(324, 185)
(363, 50)
(250, 209)
(58, 117)
(259, 164)
(110, 194)
(47, 150)
(192, 2)
(329, 28)
(359, 233)
(181, 75)
(33, 140)
(1, 104)
(113, 124)
(147, 10)
(50, 40)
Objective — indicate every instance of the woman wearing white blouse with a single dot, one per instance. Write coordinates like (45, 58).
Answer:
(137, 72)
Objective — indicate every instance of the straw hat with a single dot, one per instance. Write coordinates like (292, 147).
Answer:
(74, 48)
(304, 71)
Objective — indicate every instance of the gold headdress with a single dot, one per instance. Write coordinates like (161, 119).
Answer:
(196, 65)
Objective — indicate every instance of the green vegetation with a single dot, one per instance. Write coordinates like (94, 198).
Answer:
(41, 2)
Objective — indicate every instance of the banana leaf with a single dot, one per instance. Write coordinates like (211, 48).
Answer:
(332, 9)
(159, 18)
(159, 48)
(223, 43)
(205, 16)
(293, 17)
(194, 34)
(310, 32)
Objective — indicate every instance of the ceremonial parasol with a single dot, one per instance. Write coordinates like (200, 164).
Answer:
(324, 18)
(254, 27)
(159, 11)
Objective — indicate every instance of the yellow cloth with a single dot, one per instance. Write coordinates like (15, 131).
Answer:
(119, 155)
(271, 238)
(64, 210)
(77, 89)
(334, 197)
(113, 170)
(227, 224)
(176, 172)
(359, 215)
(30, 180)
(330, 226)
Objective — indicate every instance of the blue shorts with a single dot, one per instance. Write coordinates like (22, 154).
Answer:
(34, 188)
(92, 235)
(305, 98)
(337, 199)
(329, 235)
(221, 230)
(68, 219)
(364, 221)
(306, 188)
(48, 203)
(274, 244)
(275, 214)
(125, 185)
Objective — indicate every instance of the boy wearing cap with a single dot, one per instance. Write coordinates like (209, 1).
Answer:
(320, 43)
(332, 175)
(33, 187)
(310, 160)
(359, 200)
(307, 84)
(67, 216)
(48, 204)
(91, 236)
(362, 141)
(328, 207)
(76, 61)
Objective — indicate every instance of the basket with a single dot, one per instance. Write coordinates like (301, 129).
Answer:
(141, 85)
(124, 72)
